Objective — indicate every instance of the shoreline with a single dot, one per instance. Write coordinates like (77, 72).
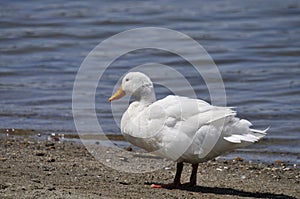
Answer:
(255, 154)
(34, 168)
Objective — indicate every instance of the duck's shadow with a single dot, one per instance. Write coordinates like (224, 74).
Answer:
(234, 192)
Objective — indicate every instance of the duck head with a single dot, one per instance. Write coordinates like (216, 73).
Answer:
(136, 84)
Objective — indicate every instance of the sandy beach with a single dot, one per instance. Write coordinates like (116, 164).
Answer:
(32, 168)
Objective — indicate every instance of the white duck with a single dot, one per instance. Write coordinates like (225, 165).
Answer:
(180, 128)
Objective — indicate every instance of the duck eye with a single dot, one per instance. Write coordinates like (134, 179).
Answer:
(126, 79)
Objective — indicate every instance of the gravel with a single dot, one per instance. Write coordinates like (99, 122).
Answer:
(32, 168)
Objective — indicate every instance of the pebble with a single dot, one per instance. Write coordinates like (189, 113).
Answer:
(29, 142)
(51, 188)
(62, 136)
(124, 159)
(53, 137)
(243, 177)
(238, 159)
(36, 180)
(3, 186)
(295, 166)
(219, 169)
(51, 148)
(3, 159)
(49, 144)
(124, 183)
(278, 162)
(39, 153)
(128, 148)
(274, 169)
(51, 160)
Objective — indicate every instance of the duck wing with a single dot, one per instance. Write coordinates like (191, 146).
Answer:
(185, 129)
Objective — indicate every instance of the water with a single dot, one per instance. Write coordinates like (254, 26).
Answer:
(255, 44)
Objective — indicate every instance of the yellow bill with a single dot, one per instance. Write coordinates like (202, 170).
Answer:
(120, 93)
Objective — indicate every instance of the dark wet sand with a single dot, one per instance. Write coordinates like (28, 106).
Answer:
(32, 168)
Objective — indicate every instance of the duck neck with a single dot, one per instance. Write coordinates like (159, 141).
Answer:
(146, 97)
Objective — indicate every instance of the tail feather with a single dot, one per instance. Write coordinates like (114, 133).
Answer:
(239, 138)
(260, 131)
(253, 136)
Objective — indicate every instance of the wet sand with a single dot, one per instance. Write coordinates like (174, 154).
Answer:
(32, 168)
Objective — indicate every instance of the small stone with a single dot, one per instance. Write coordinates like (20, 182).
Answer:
(39, 153)
(238, 159)
(278, 162)
(295, 166)
(8, 184)
(49, 144)
(124, 159)
(61, 135)
(287, 169)
(51, 160)
(243, 177)
(274, 169)
(219, 169)
(128, 148)
(51, 148)
(3, 159)
(168, 168)
(30, 142)
(51, 188)
(36, 180)
(108, 160)
(124, 182)
(55, 138)
(3, 186)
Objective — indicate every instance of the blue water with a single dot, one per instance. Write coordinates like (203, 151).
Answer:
(255, 44)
